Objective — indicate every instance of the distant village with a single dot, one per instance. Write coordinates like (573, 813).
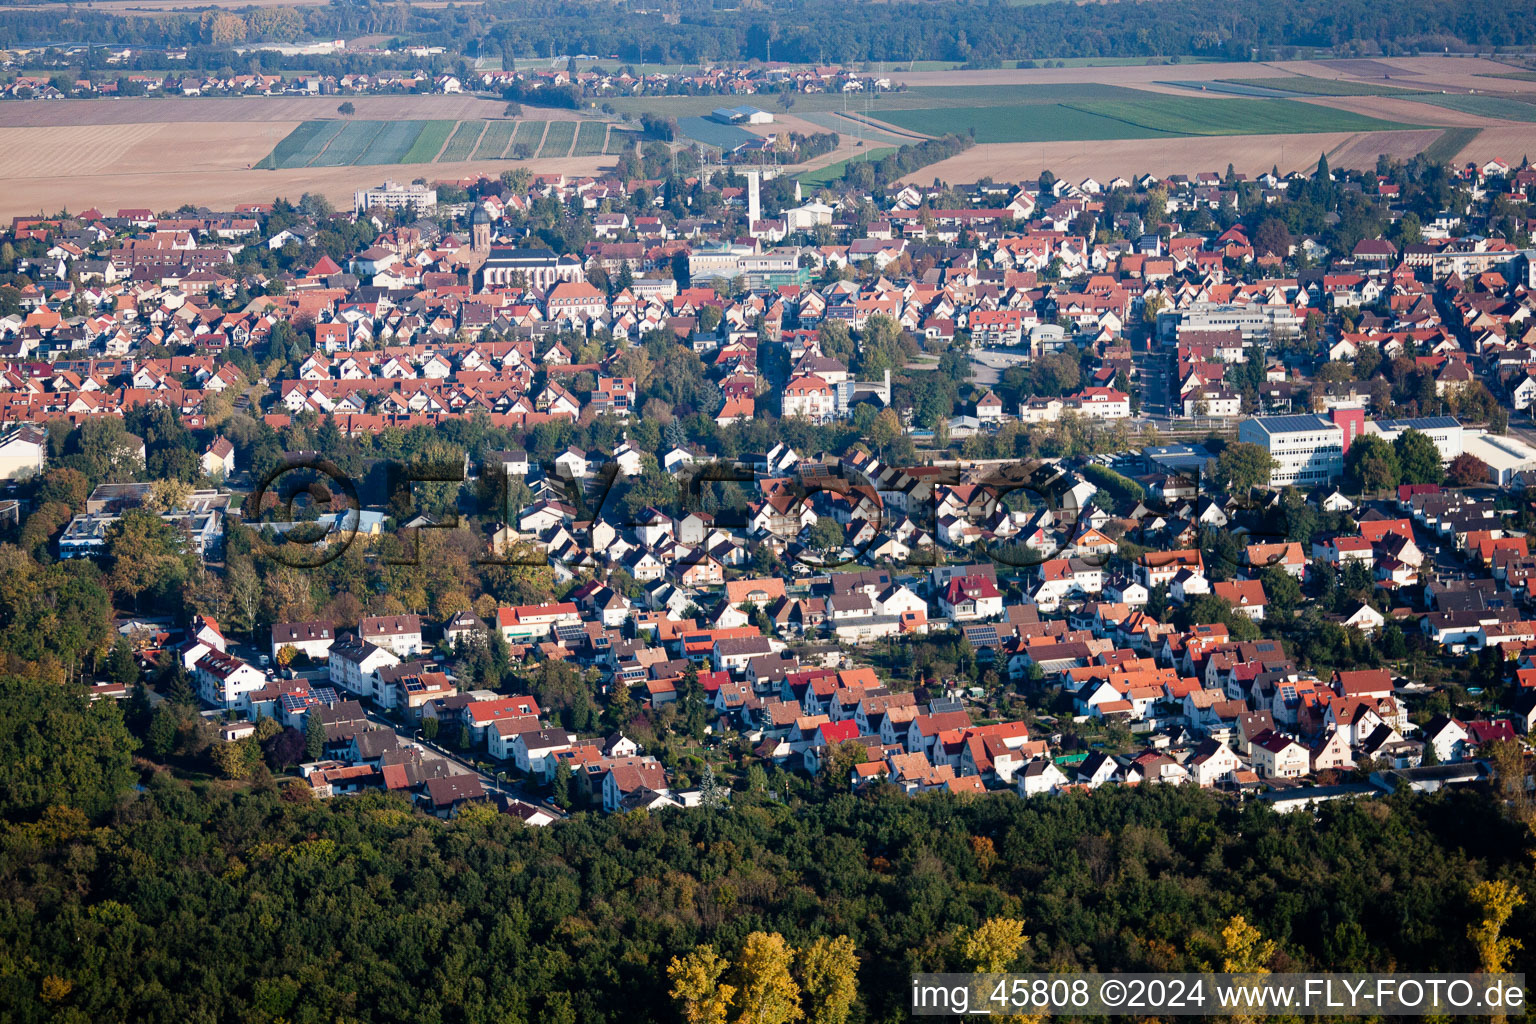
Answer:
(1100, 527)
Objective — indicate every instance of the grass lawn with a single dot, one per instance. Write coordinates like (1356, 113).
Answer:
(1322, 86)
(424, 149)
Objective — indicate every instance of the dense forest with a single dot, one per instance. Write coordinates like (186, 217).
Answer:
(831, 30)
(183, 901)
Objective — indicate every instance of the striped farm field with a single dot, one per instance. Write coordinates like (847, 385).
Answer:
(463, 141)
(301, 145)
(498, 134)
(558, 139)
(591, 137)
(1313, 86)
(348, 145)
(1181, 115)
(392, 141)
(335, 143)
(621, 141)
(424, 149)
(529, 135)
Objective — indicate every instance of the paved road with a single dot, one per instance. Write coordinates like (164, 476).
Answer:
(457, 763)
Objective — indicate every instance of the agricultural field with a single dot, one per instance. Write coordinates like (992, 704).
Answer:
(424, 149)
(1451, 142)
(363, 143)
(391, 142)
(1309, 86)
(591, 137)
(529, 135)
(464, 139)
(558, 139)
(302, 145)
(1179, 115)
(1048, 123)
(822, 175)
(1501, 107)
(497, 137)
(621, 141)
(1229, 88)
(348, 145)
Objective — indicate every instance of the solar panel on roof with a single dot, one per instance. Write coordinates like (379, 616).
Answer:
(293, 702)
(570, 632)
(324, 694)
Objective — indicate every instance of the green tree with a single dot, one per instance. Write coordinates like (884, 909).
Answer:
(1418, 458)
(123, 666)
(1243, 465)
(1371, 465)
(829, 979)
(314, 735)
(1283, 591)
(160, 738)
(826, 535)
(58, 748)
(560, 790)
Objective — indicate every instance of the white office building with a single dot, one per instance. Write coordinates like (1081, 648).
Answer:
(1445, 431)
(1308, 450)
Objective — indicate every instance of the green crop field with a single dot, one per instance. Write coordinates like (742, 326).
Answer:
(529, 134)
(1323, 86)
(1049, 123)
(462, 144)
(393, 140)
(332, 143)
(1181, 115)
(822, 175)
(495, 140)
(1519, 76)
(591, 136)
(1451, 141)
(424, 149)
(301, 145)
(621, 141)
(558, 139)
(349, 144)
(1145, 117)
(1485, 106)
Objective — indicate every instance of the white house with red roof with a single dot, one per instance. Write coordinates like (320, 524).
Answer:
(970, 597)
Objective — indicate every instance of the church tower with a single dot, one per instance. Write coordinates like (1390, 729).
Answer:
(480, 230)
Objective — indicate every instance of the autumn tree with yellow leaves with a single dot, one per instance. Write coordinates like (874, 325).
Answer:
(768, 982)
(697, 987)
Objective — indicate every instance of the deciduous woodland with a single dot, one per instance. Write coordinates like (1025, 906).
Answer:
(184, 902)
(821, 30)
